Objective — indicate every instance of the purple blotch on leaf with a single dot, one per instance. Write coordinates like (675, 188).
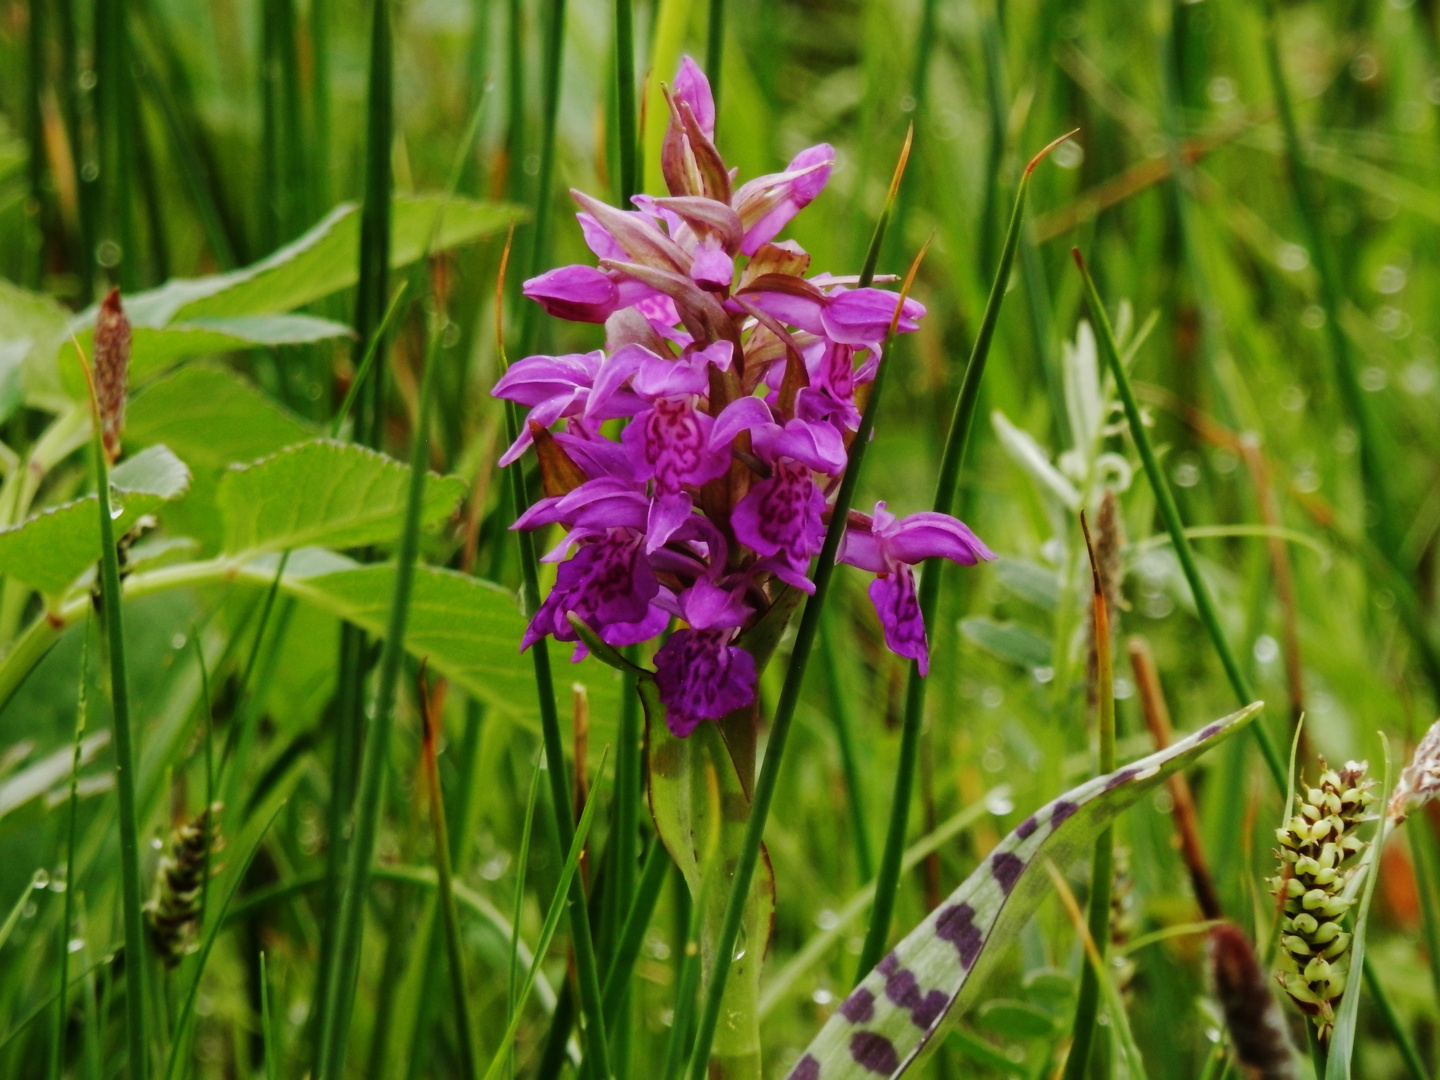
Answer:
(1061, 813)
(874, 1052)
(1007, 868)
(807, 1068)
(1124, 776)
(1026, 827)
(930, 1009)
(859, 1006)
(957, 926)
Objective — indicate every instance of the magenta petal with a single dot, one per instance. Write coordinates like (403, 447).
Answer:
(664, 377)
(860, 547)
(667, 513)
(577, 293)
(712, 266)
(707, 606)
(670, 443)
(774, 200)
(818, 445)
(742, 414)
(619, 366)
(928, 535)
(863, 316)
(598, 238)
(899, 609)
(692, 87)
(801, 311)
(701, 676)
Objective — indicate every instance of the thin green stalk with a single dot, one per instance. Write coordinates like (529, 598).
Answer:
(1204, 607)
(521, 863)
(632, 934)
(627, 128)
(563, 890)
(319, 137)
(1408, 1053)
(465, 1028)
(1422, 855)
(715, 48)
(765, 783)
(1383, 527)
(629, 792)
(685, 990)
(887, 881)
(345, 961)
(540, 237)
(371, 299)
(844, 727)
(132, 897)
(57, 1050)
(924, 49)
(1102, 874)
(35, 132)
(267, 1028)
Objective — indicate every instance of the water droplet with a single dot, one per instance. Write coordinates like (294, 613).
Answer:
(1266, 649)
(177, 642)
(821, 996)
(57, 886)
(740, 945)
(156, 843)
(827, 919)
(40, 880)
(75, 944)
(999, 803)
(115, 511)
(1044, 674)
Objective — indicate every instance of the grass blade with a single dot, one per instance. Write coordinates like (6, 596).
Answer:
(554, 53)
(523, 860)
(627, 129)
(888, 879)
(137, 1042)
(267, 1028)
(547, 931)
(637, 921)
(715, 48)
(465, 1029)
(844, 726)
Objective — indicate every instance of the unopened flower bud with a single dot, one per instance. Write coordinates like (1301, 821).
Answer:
(112, 371)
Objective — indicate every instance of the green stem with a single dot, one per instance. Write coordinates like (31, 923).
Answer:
(545, 180)
(465, 1028)
(345, 959)
(744, 873)
(57, 1052)
(637, 921)
(628, 126)
(131, 893)
(888, 879)
(715, 48)
(1392, 1020)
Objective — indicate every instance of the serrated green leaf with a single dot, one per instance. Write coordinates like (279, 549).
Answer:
(1011, 642)
(53, 548)
(211, 417)
(935, 972)
(323, 494)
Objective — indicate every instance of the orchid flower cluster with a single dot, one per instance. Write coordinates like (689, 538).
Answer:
(739, 382)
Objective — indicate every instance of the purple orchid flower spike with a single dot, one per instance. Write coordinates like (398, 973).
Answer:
(888, 548)
(724, 362)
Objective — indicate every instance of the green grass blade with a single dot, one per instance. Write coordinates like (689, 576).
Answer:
(126, 757)
(637, 921)
(465, 1028)
(844, 726)
(888, 878)
(517, 908)
(67, 919)
(267, 1026)
(547, 932)
(715, 48)
(629, 120)
(554, 54)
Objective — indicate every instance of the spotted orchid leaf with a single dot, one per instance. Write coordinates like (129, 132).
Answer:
(887, 1022)
(700, 808)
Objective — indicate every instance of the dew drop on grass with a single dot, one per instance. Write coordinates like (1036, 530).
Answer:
(40, 880)
(1266, 649)
(822, 996)
(827, 919)
(999, 803)
(177, 642)
(115, 511)
(75, 944)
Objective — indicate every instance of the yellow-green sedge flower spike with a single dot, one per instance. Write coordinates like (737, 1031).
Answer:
(1316, 853)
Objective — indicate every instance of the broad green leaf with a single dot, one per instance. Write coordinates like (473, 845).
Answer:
(56, 546)
(1029, 581)
(697, 801)
(323, 493)
(39, 778)
(470, 629)
(895, 1012)
(32, 328)
(1011, 642)
(211, 417)
(1014, 1021)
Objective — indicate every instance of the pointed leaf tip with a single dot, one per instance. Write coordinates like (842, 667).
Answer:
(1035, 161)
